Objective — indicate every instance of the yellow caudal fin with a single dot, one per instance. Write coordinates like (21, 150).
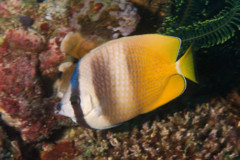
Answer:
(174, 87)
(185, 65)
(158, 46)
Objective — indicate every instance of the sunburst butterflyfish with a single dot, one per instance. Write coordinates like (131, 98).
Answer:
(124, 78)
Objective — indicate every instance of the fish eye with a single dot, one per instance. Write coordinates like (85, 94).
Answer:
(57, 108)
(75, 100)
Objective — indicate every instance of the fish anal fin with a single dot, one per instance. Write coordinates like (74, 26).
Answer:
(174, 87)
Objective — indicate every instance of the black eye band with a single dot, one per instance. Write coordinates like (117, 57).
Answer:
(57, 108)
(75, 100)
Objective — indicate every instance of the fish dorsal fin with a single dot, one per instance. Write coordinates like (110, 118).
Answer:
(158, 46)
(174, 87)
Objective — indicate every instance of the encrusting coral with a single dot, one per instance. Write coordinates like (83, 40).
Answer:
(210, 131)
(63, 150)
(51, 58)
(22, 98)
(104, 19)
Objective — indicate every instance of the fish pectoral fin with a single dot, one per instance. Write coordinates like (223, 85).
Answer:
(175, 86)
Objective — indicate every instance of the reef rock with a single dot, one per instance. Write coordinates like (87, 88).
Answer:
(154, 6)
(23, 104)
(210, 131)
(104, 19)
(51, 58)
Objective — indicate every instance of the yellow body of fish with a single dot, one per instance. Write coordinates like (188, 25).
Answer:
(130, 76)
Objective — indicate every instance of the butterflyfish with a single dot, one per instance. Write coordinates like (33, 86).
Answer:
(124, 78)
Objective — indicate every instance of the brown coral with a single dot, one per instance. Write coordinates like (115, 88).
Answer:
(104, 19)
(204, 133)
(63, 150)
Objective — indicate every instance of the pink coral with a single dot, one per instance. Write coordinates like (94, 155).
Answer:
(17, 73)
(22, 39)
(22, 104)
(51, 58)
(127, 19)
(9, 7)
(3, 10)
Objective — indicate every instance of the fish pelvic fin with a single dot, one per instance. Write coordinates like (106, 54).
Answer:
(185, 65)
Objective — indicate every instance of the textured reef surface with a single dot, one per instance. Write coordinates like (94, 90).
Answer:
(37, 59)
(206, 132)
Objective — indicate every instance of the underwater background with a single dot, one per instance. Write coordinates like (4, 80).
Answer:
(35, 69)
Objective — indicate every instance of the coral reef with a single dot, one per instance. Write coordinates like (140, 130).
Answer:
(8, 11)
(8, 148)
(154, 6)
(233, 102)
(37, 60)
(4, 151)
(22, 39)
(30, 55)
(63, 150)
(210, 131)
(47, 17)
(51, 58)
(56, 10)
(22, 98)
(105, 19)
